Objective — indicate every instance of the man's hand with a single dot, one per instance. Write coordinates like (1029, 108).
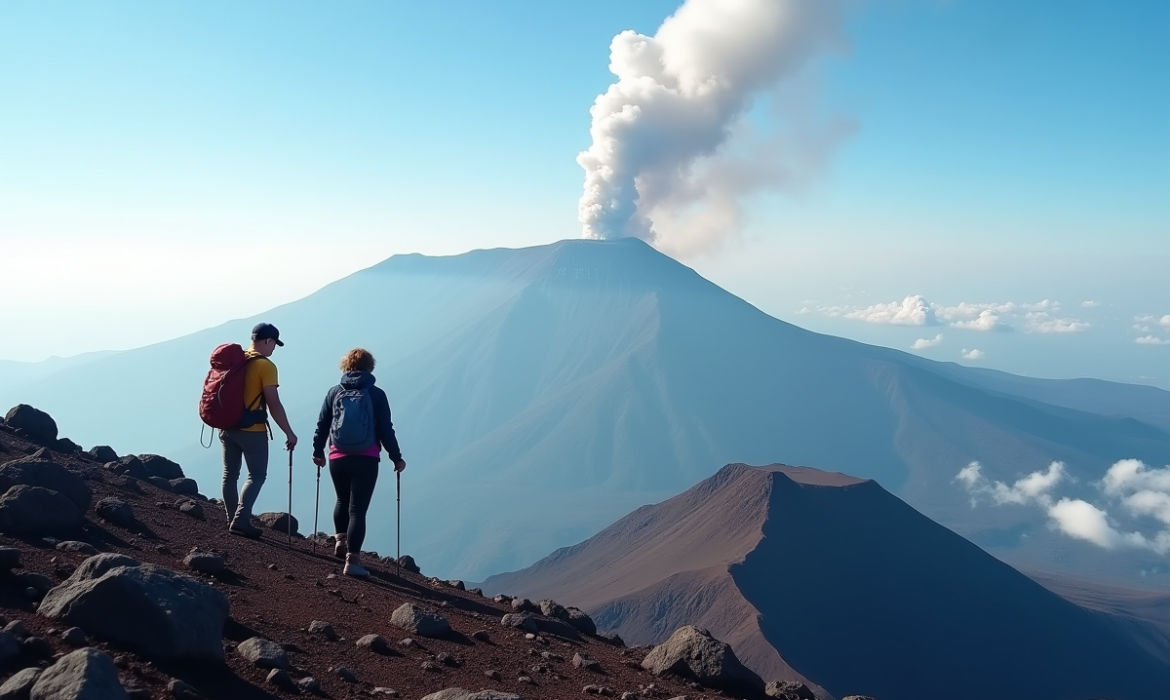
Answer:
(290, 441)
(319, 461)
(399, 465)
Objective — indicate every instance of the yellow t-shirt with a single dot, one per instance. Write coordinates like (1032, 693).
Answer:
(258, 374)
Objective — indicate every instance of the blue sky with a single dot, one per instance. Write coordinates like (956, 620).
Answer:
(989, 153)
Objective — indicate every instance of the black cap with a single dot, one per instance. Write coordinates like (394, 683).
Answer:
(266, 331)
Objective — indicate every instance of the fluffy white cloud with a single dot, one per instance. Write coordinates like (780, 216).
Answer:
(1141, 491)
(911, 311)
(972, 354)
(1033, 488)
(1151, 340)
(987, 320)
(923, 343)
(1085, 521)
(1090, 304)
(1164, 321)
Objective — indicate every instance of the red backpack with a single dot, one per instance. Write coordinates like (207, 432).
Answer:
(222, 403)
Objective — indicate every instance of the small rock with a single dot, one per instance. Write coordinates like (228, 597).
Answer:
(192, 508)
(74, 637)
(502, 599)
(324, 629)
(789, 690)
(116, 511)
(263, 653)
(587, 664)
(102, 453)
(494, 675)
(598, 690)
(85, 673)
(481, 635)
(17, 629)
(630, 696)
(345, 674)
(431, 666)
(408, 643)
(414, 619)
(550, 656)
(205, 562)
(525, 679)
(32, 593)
(446, 659)
(75, 546)
(522, 621)
(375, 643)
(407, 563)
(310, 684)
(181, 690)
(278, 522)
(9, 647)
(279, 678)
(524, 605)
(457, 584)
(388, 692)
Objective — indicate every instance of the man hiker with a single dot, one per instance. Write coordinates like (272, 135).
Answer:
(251, 443)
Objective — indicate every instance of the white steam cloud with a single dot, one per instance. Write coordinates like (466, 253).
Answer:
(663, 164)
(1140, 491)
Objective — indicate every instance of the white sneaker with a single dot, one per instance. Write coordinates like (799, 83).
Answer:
(355, 569)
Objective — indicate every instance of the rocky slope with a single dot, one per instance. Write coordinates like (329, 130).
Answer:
(124, 586)
(815, 575)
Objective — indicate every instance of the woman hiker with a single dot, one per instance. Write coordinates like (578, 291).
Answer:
(355, 419)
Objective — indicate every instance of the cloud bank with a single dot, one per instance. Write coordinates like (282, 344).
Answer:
(665, 134)
(1129, 484)
(914, 310)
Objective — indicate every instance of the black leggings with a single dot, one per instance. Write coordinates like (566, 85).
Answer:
(354, 477)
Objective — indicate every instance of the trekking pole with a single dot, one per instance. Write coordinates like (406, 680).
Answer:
(316, 509)
(398, 545)
(290, 465)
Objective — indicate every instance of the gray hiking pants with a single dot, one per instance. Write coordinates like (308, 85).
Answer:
(252, 447)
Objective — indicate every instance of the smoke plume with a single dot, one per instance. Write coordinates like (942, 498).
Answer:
(672, 152)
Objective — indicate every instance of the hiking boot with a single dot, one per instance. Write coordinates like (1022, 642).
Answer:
(353, 567)
(339, 549)
(244, 528)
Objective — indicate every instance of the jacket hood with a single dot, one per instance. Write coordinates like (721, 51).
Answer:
(357, 380)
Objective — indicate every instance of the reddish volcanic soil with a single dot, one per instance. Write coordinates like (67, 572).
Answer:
(275, 592)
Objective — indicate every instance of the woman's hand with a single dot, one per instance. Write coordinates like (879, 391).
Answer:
(399, 465)
(319, 461)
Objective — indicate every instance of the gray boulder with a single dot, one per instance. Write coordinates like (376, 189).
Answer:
(85, 674)
(557, 627)
(20, 685)
(191, 507)
(116, 511)
(66, 446)
(128, 465)
(263, 653)
(553, 609)
(408, 564)
(375, 643)
(34, 423)
(157, 465)
(521, 621)
(184, 486)
(581, 621)
(278, 522)
(34, 510)
(448, 694)
(149, 607)
(47, 474)
(524, 605)
(691, 652)
(102, 453)
(418, 621)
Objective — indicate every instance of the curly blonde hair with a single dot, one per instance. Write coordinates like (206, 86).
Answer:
(357, 360)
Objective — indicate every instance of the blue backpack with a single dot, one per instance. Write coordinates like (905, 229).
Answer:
(352, 431)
